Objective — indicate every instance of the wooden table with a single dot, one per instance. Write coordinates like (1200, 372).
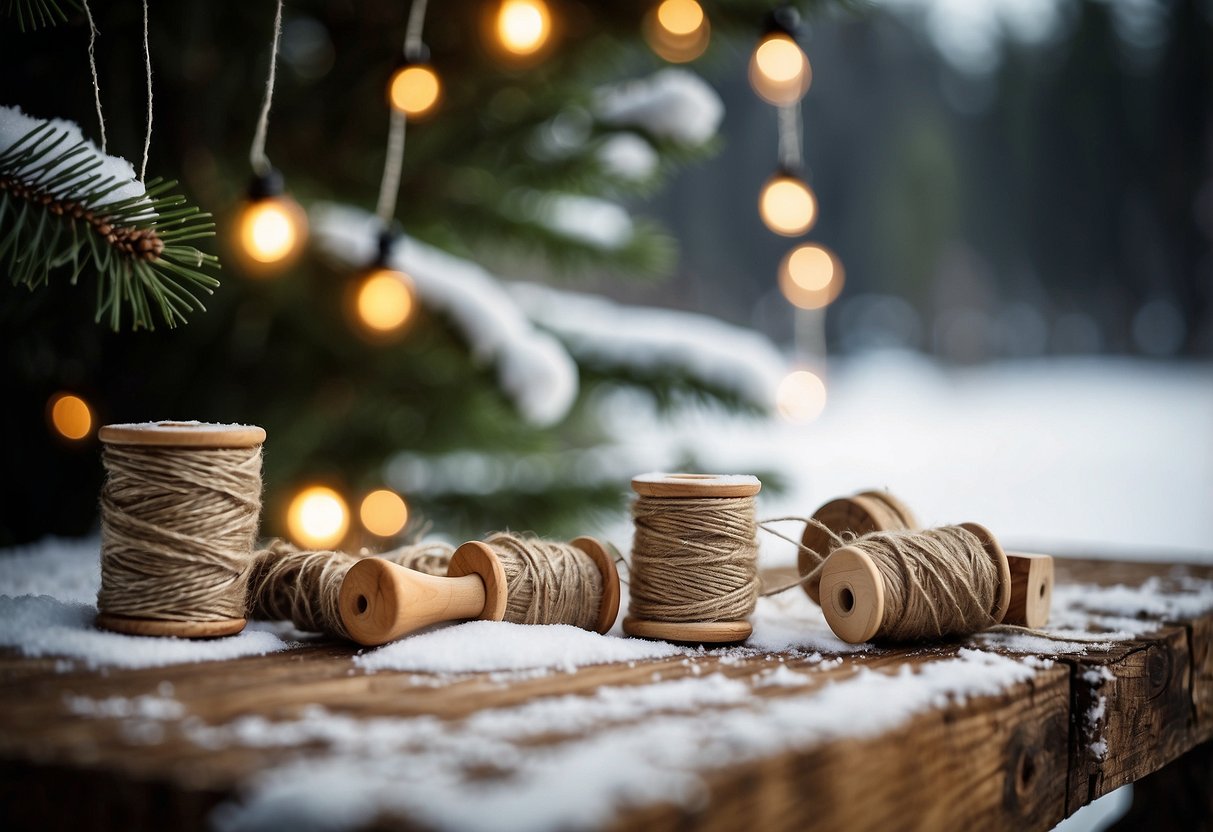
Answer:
(1020, 758)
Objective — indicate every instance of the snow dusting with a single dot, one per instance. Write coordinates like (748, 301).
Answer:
(672, 104)
(15, 124)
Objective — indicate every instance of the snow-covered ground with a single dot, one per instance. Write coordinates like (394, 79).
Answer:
(1106, 456)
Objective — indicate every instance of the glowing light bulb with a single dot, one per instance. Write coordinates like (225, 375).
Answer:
(385, 301)
(70, 416)
(801, 396)
(677, 30)
(787, 206)
(779, 70)
(414, 90)
(680, 17)
(523, 26)
(317, 517)
(811, 276)
(383, 513)
(272, 231)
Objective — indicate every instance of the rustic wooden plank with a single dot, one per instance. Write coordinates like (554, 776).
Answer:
(1012, 750)
(1179, 796)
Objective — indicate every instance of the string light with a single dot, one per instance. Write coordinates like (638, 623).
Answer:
(414, 89)
(317, 517)
(811, 276)
(677, 30)
(801, 396)
(383, 513)
(385, 301)
(523, 27)
(779, 69)
(787, 205)
(70, 416)
(271, 226)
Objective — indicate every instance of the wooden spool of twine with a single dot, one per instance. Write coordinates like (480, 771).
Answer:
(179, 513)
(843, 519)
(694, 572)
(523, 580)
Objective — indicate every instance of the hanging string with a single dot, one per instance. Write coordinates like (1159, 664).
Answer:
(790, 149)
(393, 163)
(147, 60)
(694, 559)
(92, 65)
(303, 587)
(257, 158)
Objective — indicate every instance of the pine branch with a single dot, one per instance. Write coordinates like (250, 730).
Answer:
(36, 14)
(57, 212)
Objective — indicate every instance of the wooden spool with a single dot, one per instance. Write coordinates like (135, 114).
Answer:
(880, 511)
(852, 590)
(190, 435)
(697, 486)
(381, 601)
(869, 511)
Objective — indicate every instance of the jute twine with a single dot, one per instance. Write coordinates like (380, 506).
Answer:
(548, 582)
(177, 530)
(694, 559)
(303, 587)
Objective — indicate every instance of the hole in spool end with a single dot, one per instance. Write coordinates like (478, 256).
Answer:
(845, 599)
(1044, 585)
(362, 604)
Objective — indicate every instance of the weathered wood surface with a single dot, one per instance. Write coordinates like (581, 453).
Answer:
(1021, 759)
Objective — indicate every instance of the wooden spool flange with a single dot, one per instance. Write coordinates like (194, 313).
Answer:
(852, 590)
(869, 511)
(177, 435)
(381, 601)
(692, 486)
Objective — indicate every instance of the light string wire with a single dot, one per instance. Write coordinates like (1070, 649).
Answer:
(147, 60)
(256, 154)
(92, 65)
(791, 149)
(393, 163)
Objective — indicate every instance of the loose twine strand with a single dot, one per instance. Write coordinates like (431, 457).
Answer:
(147, 60)
(694, 559)
(257, 157)
(92, 65)
(177, 530)
(287, 583)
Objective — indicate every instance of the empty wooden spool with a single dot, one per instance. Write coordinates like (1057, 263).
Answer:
(186, 436)
(697, 486)
(880, 511)
(853, 591)
(381, 601)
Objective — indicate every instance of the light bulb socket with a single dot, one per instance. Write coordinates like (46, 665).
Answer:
(266, 186)
(783, 20)
(420, 54)
(384, 243)
(786, 171)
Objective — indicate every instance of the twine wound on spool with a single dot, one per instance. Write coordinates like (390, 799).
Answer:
(908, 586)
(304, 587)
(694, 568)
(506, 577)
(179, 512)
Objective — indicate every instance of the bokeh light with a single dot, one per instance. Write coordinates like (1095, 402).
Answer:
(272, 231)
(317, 517)
(677, 30)
(779, 70)
(385, 301)
(811, 276)
(523, 26)
(70, 416)
(383, 513)
(414, 90)
(801, 396)
(787, 205)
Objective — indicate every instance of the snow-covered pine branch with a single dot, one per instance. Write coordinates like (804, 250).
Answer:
(672, 104)
(533, 369)
(610, 336)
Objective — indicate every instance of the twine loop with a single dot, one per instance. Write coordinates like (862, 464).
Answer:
(548, 582)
